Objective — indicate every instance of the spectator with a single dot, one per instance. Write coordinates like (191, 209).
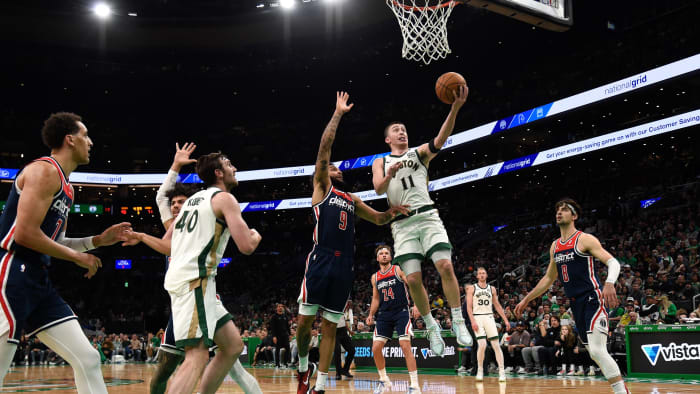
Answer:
(37, 350)
(550, 331)
(279, 330)
(517, 342)
(667, 310)
(565, 353)
(136, 348)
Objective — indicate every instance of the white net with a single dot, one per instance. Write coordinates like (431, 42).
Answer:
(424, 27)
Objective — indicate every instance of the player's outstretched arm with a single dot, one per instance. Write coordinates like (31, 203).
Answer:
(160, 245)
(430, 149)
(226, 206)
(542, 286)
(181, 159)
(375, 301)
(590, 244)
(41, 181)
(367, 213)
(498, 307)
(322, 180)
(470, 306)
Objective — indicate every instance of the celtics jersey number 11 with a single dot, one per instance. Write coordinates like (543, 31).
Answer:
(410, 184)
(199, 240)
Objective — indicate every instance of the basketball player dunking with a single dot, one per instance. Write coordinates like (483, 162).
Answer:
(571, 260)
(392, 311)
(482, 298)
(329, 267)
(403, 176)
(32, 228)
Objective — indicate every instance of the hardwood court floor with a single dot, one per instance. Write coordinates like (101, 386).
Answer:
(134, 378)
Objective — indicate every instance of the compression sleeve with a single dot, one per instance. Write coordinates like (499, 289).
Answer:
(162, 198)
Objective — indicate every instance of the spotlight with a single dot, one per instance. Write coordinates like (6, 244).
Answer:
(102, 10)
(287, 4)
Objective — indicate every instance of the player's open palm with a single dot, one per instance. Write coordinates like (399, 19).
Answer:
(114, 234)
(131, 238)
(341, 102)
(182, 155)
(90, 262)
(460, 96)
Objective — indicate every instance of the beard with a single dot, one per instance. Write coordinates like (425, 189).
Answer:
(339, 184)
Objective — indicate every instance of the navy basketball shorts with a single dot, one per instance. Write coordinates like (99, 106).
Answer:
(327, 280)
(388, 321)
(28, 301)
(589, 314)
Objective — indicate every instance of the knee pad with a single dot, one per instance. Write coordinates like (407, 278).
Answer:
(442, 254)
(599, 354)
(410, 266)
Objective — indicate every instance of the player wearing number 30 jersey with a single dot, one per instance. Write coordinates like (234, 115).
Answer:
(571, 260)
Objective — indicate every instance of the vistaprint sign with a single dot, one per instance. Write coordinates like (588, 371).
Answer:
(672, 352)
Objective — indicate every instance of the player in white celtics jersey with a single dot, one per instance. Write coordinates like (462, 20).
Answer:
(196, 243)
(403, 176)
(482, 298)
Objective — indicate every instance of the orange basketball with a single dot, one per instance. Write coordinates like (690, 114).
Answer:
(447, 84)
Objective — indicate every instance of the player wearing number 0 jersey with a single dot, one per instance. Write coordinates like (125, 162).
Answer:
(390, 303)
(329, 267)
(482, 298)
(572, 261)
(420, 235)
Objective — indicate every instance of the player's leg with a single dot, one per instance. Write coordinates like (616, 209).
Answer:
(230, 346)
(245, 380)
(492, 335)
(328, 330)
(68, 341)
(7, 352)
(480, 354)
(307, 315)
(404, 330)
(167, 363)
(186, 377)
(169, 357)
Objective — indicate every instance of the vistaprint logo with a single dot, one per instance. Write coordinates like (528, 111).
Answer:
(629, 84)
(672, 352)
(427, 353)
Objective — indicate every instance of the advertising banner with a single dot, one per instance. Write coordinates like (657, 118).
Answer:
(393, 354)
(662, 351)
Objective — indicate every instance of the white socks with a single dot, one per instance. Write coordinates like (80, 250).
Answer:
(414, 378)
(619, 387)
(457, 313)
(382, 375)
(245, 380)
(321, 381)
(303, 363)
(429, 320)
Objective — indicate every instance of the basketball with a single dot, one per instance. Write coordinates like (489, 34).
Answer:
(447, 84)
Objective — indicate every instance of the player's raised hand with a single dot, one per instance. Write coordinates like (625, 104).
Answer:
(112, 235)
(460, 96)
(609, 295)
(393, 168)
(182, 155)
(91, 262)
(341, 102)
(519, 309)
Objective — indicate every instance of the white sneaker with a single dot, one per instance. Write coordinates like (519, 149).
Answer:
(571, 372)
(413, 390)
(502, 376)
(561, 372)
(437, 344)
(480, 375)
(459, 328)
(591, 372)
(509, 369)
(461, 369)
(521, 370)
(382, 386)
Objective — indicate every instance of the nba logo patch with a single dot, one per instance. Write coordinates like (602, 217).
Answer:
(22, 268)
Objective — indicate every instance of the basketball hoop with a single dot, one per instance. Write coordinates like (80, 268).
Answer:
(423, 25)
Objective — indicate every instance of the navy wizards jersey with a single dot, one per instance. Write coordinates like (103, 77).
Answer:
(392, 291)
(334, 222)
(53, 223)
(576, 269)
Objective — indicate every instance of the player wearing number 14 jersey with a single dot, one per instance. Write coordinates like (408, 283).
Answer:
(329, 267)
(571, 260)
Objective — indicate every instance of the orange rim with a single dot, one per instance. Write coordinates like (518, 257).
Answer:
(433, 8)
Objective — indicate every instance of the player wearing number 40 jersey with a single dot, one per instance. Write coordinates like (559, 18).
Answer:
(571, 260)
(329, 267)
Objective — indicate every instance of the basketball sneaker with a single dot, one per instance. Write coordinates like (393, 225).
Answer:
(459, 328)
(303, 377)
(413, 390)
(382, 387)
(480, 375)
(314, 391)
(437, 344)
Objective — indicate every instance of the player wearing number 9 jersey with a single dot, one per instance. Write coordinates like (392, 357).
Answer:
(329, 267)
(571, 260)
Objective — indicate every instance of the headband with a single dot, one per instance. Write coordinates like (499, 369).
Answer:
(573, 211)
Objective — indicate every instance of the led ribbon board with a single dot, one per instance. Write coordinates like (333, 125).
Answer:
(600, 93)
(632, 134)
